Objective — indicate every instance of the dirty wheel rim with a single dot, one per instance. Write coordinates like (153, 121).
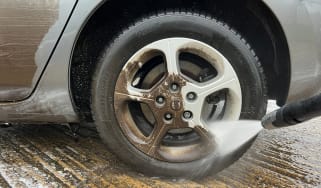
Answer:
(169, 92)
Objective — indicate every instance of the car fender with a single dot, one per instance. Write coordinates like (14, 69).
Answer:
(301, 23)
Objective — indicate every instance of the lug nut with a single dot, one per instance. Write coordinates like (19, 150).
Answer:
(160, 100)
(168, 116)
(174, 87)
(187, 115)
(191, 96)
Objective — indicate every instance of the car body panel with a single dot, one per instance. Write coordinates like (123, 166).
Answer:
(301, 23)
(29, 30)
(51, 101)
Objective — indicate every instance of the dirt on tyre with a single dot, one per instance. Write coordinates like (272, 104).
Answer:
(163, 80)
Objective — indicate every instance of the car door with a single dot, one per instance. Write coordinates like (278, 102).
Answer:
(29, 32)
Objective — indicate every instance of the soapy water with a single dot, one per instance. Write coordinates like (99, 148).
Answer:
(232, 139)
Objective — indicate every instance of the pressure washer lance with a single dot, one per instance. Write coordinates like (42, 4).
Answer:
(293, 113)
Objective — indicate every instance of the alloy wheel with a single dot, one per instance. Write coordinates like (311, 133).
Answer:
(168, 95)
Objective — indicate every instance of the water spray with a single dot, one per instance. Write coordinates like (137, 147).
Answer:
(231, 136)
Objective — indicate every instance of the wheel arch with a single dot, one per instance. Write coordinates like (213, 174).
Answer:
(258, 25)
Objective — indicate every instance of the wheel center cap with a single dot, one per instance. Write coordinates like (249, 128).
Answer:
(176, 104)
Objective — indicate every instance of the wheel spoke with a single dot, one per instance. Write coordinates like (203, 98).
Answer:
(156, 137)
(217, 84)
(204, 90)
(172, 62)
(206, 137)
(170, 49)
(134, 94)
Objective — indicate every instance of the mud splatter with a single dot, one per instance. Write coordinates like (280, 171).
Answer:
(23, 24)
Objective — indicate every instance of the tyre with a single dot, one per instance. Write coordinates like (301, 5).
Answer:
(161, 83)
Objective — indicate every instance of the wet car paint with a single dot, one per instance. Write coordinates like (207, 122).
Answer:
(29, 30)
(33, 156)
(51, 101)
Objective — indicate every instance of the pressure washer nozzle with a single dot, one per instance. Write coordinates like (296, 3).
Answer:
(293, 113)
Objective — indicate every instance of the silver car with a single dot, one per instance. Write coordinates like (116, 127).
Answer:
(153, 76)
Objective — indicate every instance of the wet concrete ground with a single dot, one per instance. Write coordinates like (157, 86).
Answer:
(45, 156)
